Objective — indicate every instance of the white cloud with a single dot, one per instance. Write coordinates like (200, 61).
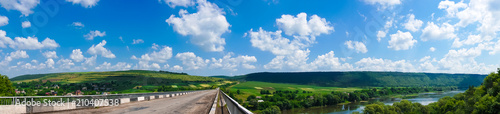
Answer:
(299, 26)
(155, 46)
(50, 54)
(383, 4)
(328, 61)
(117, 66)
(191, 61)
(273, 42)
(380, 35)
(205, 27)
(412, 24)
(85, 3)
(158, 56)
(471, 40)
(451, 7)
(4, 20)
(90, 61)
(77, 55)
(358, 46)
(230, 63)
(433, 32)
(184, 3)
(290, 53)
(463, 61)
(137, 41)
(177, 68)
(374, 64)
(100, 50)
(26, 24)
(23, 6)
(401, 41)
(14, 55)
(29, 43)
(432, 49)
(95, 33)
(78, 24)
(50, 63)
(65, 64)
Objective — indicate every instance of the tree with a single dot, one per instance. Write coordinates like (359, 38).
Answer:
(271, 110)
(6, 88)
(238, 91)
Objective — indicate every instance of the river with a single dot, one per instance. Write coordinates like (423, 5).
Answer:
(423, 98)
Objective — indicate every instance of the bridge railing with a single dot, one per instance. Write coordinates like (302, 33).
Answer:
(33, 104)
(233, 106)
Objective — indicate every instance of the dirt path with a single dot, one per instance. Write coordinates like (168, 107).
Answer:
(194, 103)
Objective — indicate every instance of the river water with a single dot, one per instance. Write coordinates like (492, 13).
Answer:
(423, 98)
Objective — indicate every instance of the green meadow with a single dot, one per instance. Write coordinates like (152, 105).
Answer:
(254, 87)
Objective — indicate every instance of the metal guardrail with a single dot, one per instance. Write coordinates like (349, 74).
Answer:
(233, 106)
(11, 100)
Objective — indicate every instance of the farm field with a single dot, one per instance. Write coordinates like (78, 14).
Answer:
(254, 87)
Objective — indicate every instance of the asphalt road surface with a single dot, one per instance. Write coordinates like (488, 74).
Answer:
(194, 103)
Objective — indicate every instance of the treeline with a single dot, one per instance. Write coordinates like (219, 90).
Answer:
(304, 99)
(368, 79)
(484, 99)
(6, 88)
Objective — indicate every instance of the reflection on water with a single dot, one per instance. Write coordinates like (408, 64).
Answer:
(423, 98)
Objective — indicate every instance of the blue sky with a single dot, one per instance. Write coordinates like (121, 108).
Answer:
(234, 37)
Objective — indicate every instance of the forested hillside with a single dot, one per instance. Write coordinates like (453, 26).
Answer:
(484, 99)
(374, 79)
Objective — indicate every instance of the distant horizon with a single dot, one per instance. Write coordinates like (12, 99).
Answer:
(257, 72)
(235, 37)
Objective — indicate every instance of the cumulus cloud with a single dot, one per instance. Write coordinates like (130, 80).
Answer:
(23, 6)
(432, 49)
(4, 20)
(78, 24)
(328, 61)
(401, 41)
(65, 64)
(117, 66)
(26, 24)
(434, 32)
(92, 34)
(77, 55)
(358, 46)
(412, 24)
(191, 61)
(29, 43)
(205, 27)
(85, 3)
(157, 56)
(374, 64)
(183, 3)
(231, 63)
(50, 54)
(290, 53)
(137, 41)
(100, 50)
(451, 7)
(177, 68)
(14, 55)
(299, 26)
(383, 4)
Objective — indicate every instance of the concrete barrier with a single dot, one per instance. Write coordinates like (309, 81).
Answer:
(67, 106)
(124, 100)
(151, 97)
(140, 99)
(12, 109)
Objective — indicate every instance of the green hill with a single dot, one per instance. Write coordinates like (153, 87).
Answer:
(371, 79)
(123, 81)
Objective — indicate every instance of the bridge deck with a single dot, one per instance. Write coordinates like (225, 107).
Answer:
(197, 103)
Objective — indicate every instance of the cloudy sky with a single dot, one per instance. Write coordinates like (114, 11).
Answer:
(233, 37)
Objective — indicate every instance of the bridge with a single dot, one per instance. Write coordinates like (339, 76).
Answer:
(179, 102)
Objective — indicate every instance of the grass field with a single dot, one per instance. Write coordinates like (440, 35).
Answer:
(253, 88)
